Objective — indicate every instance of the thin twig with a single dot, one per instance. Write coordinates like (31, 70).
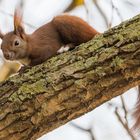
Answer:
(112, 15)
(129, 3)
(87, 11)
(101, 12)
(125, 125)
(89, 131)
(21, 4)
(124, 109)
(118, 12)
(114, 8)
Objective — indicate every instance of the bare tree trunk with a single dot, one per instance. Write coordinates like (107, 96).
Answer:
(70, 84)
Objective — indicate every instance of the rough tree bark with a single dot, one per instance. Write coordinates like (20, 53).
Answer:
(70, 84)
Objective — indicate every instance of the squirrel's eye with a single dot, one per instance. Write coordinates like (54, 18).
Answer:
(16, 43)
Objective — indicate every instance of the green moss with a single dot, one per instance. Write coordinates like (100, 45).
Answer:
(22, 97)
(117, 62)
(100, 71)
(91, 61)
(128, 48)
(96, 46)
(108, 53)
(82, 83)
(62, 85)
(72, 68)
(119, 36)
(14, 97)
(26, 91)
(92, 75)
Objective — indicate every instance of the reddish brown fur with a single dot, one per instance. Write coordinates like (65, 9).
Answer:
(73, 29)
(61, 30)
(1, 35)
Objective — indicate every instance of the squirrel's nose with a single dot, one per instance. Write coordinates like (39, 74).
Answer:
(7, 55)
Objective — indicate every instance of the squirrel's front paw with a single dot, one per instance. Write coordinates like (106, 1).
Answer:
(23, 69)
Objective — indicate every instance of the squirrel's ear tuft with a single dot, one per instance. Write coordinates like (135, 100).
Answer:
(1, 35)
(18, 28)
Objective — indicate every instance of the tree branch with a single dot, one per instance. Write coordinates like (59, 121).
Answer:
(70, 84)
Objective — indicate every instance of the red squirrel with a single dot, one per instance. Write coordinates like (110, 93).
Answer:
(45, 42)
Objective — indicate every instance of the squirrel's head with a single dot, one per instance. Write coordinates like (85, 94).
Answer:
(14, 44)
